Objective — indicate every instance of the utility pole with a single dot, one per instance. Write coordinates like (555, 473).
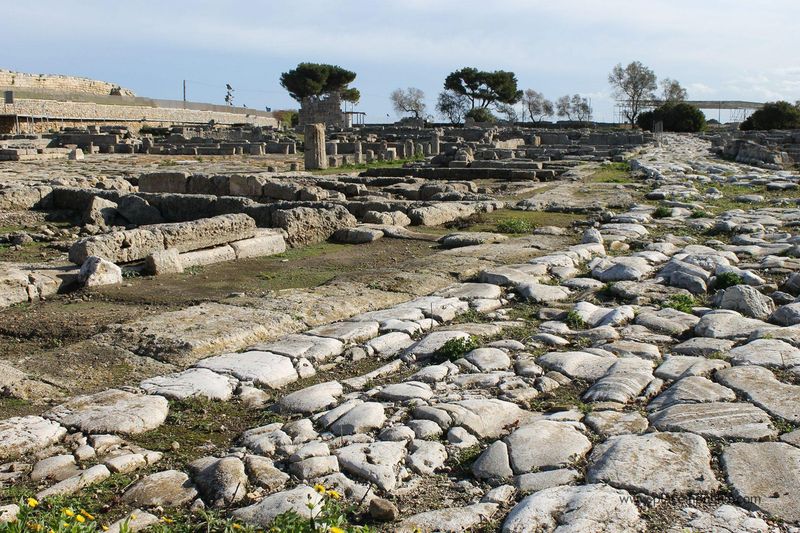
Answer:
(184, 90)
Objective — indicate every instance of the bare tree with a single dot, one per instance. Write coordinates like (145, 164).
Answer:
(411, 100)
(452, 106)
(574, 108)
(672, 92)
(635, 84)
(536, 106)
(509, 112)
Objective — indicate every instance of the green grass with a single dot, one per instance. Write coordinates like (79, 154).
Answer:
(515, 226)
(455, 349)
(681, 302)
(364, 166)
(662, 211)
(727, 279)
(574, 321)
(613, 173)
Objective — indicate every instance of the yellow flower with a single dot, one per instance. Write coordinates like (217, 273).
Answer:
(333, 494)
(33, 502)
(167, 520)
(80, 519)
(133, 517)
(104, 528)
(335, 529)
(319, 488)
(237, 526)
(69, 512)
(86, 514)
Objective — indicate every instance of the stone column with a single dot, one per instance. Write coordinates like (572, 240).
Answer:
(358, 157)
(408, 149)
(435, 144)
(314, 155)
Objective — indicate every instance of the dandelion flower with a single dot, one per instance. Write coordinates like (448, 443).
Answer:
(33, 502)
(335, 529)
(86, 514)
(69, 512)
(333, 494)
(80, 519)
(104, 528)
(319, 488)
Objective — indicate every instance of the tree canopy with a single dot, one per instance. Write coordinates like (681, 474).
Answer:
(675, 116)
(536, 106)
(635, 84)
(411, 100)
(779, 115)
(483, 88)
(315, 80)
(575, 107)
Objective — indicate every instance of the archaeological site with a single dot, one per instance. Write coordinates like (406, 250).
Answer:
(345, 309)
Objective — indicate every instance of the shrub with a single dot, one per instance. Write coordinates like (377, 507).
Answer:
(456, 348)
(515, 225)
(699, 213)
(774, 116)
(727, 279)
(681, 302)
(680, 117)
(662, 211)
(481, 114)
(574, 320)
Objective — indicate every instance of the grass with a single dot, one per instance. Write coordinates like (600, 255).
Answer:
(727, 279)
(29, 252)
(612, 173)
(455, 349)
(563, 398)
(515, 226)
(662, 211)
(681, 302)
(364, 166)
(575, 321)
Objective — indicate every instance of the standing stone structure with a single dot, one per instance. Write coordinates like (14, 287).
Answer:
(435, 140)
(314, 155)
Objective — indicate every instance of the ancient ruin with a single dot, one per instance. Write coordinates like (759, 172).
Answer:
(212, 319)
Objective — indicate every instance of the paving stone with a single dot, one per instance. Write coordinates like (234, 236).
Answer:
(582, 508)
(493, 463)
(264, 368)
(654, 463)
(610, 423)
(191, 383)
(302, 500)
(376, 462)
(484, 418)
(71, 485)
(21, 435)
(221, 482)
(703, 347)
(669, 321)
(263, 473)
(786, 315)
(536, 481)
(123, 464)
(312, 399)
(680, 366)
(426, 457)
(723, 519)
(765, 475)
(112, 411)
(724, 324)
(721, 420)
(452, 520)
(623, 381)
(544, 445)
(170, 488)
(488, 359)
(390, 343)
(692, 389)
(362, 418)
(307, 346)
(747, 300)
(582, 365)
(408, 390)
(348, 332)
(472, 291)
(761, 387)
(766, 352)
(57, 467)
(431, 343)
(542, 294)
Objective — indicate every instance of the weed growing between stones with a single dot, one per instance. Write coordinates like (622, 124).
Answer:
(727, 279)
(456, 348)
(515, 226)
(662, 211)
(681, 302)
(575, 321)
(331, 516)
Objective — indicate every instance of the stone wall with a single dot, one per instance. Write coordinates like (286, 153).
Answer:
(134, 117)
(327, 111)
(56, 83)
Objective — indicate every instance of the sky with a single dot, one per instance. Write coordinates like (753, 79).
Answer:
(717, 49)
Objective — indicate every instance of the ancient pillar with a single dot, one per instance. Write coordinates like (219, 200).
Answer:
(435, 144)
(408, 149)
(358, 156)
(314, 155)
